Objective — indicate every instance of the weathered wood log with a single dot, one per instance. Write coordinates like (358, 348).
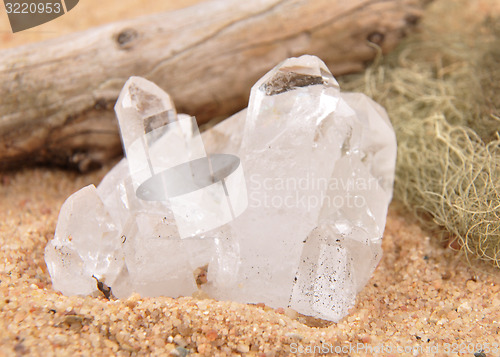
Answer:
(57, 97)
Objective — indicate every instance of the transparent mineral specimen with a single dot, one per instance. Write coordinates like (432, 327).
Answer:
(167, 160)
(301, 228)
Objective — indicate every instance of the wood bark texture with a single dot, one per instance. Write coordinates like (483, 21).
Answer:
(57, 97)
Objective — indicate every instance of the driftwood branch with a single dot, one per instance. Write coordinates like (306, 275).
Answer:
(57, 97)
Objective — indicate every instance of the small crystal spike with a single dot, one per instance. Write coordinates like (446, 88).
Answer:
(167, 161)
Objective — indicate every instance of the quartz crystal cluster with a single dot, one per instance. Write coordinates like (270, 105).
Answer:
(284, 203)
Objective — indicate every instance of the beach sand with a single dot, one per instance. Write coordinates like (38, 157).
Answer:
(422, 296)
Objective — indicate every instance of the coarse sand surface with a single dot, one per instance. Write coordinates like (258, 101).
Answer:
(423, 297)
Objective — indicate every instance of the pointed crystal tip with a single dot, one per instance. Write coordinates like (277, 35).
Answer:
(145, 97)
(297, 72)
(142, 109)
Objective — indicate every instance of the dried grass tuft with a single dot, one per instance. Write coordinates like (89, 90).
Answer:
(442, 92)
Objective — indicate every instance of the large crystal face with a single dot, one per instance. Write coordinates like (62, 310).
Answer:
(305, 174)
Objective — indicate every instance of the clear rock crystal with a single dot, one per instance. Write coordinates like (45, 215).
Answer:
(293, 215)
(167, 160)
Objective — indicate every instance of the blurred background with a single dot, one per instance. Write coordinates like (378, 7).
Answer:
(87, 13)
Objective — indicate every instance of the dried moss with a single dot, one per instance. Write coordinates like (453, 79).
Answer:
(441, 89)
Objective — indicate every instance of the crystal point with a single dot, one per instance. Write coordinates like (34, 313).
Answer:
(168, 162)
(86, 244)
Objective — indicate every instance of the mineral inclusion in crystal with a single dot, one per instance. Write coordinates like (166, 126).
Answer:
(284, 203)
